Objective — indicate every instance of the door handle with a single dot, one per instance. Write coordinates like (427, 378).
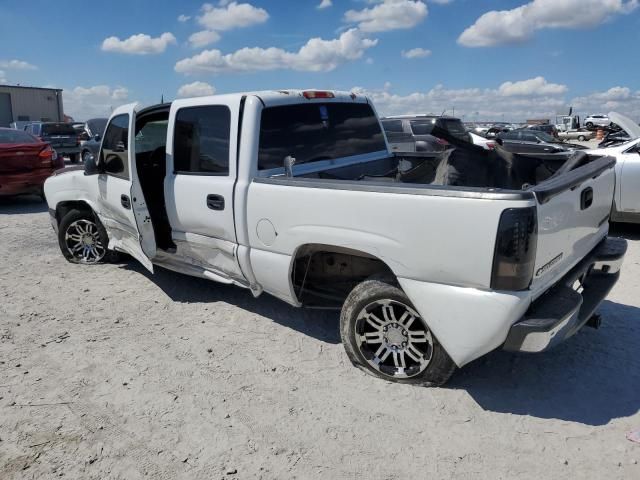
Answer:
(586, 198)
(125, 201)
(215, 202)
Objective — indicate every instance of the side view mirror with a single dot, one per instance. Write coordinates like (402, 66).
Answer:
(90, 165)
(114, 164)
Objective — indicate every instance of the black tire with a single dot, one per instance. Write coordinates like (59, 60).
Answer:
(73, 158)
(67, 223)
(589, 125)
(439, 366)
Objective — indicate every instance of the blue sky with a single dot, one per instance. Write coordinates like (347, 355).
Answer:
(486, 58)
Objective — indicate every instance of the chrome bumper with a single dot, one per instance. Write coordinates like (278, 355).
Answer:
(562, 311)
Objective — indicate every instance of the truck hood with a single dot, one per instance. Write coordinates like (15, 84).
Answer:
(628, 125)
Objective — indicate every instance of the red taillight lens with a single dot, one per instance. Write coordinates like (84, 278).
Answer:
(442, 141)
(311, 94)
(491, 145)
(46, 153)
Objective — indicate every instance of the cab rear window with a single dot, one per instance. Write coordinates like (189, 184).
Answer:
(317, 131)
(58, 129)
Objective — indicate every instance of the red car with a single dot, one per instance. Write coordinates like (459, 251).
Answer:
(25, 163)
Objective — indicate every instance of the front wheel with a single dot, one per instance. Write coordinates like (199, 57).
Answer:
(83, 239)
(385, 336)
(582, 138)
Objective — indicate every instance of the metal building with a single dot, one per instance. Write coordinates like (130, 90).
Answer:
(22, 104)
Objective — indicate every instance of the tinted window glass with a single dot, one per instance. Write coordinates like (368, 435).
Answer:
(115, 146)
(455, 128)
(317, 131)
(509, 135)
(422, 127)
(97, 126)
(392, 126)
(529, 136)
(15, 136)
(152, 136)
(58, 129)
(201, 142)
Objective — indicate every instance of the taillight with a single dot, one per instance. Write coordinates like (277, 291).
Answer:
(310, 94)
(442, 141)
(491, 145)
(515, 252)
(46, 153)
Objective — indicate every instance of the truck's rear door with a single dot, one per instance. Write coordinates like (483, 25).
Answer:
(573, 213)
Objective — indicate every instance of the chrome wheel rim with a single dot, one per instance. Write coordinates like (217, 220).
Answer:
(83, 241)
(85, 156)
(393, 339)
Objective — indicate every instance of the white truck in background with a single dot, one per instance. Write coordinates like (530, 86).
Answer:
(295, 193)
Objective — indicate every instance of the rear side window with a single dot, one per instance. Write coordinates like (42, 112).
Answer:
(422, 127)
(58, 129)
(115, 146)
(392, 126)
(317, 131)
(456, 128)
(201, 140)
(15, 136)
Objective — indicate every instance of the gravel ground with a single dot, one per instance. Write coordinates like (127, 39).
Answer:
(107, 372)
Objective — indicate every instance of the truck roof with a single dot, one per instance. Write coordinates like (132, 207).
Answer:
(275, 97)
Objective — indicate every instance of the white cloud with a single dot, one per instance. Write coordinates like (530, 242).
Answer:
(315, 56)
(532, 87)
(519, 24)
(203, 38)
(196, 89)
(416, 53)
(83, 103)
(324, 4)
(3, 79)
(17, 65)
(140, 44)
(388, 15)
(184, 18)
(231, 15)
(619, 99)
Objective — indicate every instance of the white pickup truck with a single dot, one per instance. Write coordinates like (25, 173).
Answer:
(295, 193)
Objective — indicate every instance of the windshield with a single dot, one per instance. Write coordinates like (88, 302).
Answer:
(15, 136)
(58, 129)
(317, 131)
(545, 137)
(97, 126)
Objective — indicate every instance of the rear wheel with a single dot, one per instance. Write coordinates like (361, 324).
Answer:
(385, 336)
(83, 239)
(589, 125)
(582, 138)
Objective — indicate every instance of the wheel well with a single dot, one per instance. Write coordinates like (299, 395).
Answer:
(323, 275)
(63, 208)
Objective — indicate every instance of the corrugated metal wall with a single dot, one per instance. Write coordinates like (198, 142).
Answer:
(34, 103)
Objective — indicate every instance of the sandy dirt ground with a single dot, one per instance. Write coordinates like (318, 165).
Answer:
(107, 372)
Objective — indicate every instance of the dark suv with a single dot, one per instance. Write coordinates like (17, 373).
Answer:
(420, 130)
(62, 137)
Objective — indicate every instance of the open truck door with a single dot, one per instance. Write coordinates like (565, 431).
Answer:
(121, 203)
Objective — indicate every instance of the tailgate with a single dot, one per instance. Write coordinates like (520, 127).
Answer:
(573, 213)
(60, 141)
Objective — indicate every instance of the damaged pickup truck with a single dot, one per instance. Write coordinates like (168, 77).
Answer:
(433, 259)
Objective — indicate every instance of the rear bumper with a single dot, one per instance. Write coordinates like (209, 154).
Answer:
(23, 183)
(562, 311)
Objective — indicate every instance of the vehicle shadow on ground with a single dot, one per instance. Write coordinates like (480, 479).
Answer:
(22, 204)
(322, 325)
(591, 378)
(629, 231)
